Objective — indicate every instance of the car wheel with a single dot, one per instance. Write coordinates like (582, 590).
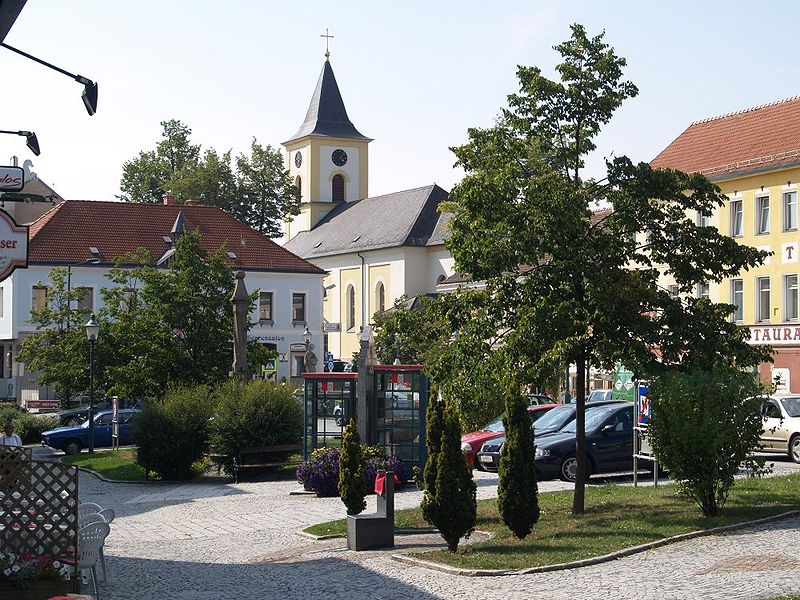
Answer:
(568, 471)
(794, 448)
(71, 447)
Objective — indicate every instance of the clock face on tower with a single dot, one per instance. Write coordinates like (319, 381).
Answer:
(298, 159)
(339, 157)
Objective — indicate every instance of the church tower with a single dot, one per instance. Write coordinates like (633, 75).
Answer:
(327, 157)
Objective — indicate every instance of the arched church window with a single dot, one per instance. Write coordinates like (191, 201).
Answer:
(351, 307)
(337, 188)
(380, 297)
(299, 183)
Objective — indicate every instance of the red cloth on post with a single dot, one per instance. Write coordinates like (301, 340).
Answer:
(380, 483)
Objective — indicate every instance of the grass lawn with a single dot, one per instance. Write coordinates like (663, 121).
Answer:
(114, 464)
(616, 517)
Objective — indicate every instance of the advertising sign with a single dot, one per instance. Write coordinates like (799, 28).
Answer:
(623, 384)
(12, 179)
(13, 245)
(643, 404)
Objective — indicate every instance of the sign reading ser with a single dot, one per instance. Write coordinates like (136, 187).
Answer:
(11, 179)
(13, 245)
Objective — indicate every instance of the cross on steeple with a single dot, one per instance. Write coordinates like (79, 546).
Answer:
(327, 37)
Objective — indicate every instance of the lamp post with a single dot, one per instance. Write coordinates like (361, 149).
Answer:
(92, 331)
(30, 139)
(89, 261)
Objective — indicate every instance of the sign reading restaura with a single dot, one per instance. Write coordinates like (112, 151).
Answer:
(11, 179)
(13, 245)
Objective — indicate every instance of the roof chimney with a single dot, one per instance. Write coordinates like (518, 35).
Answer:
(169, 199)
(191, 202)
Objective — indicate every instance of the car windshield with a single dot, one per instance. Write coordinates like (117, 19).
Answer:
(594, 416)
(555, 418)
(495, 426)
(791, 406)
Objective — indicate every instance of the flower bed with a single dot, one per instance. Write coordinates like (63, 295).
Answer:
(320, 472)
(25, 576)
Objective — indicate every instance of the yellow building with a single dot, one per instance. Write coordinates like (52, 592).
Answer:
(375, 250)
(754, 157)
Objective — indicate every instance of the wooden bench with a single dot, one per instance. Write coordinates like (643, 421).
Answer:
(240, 461)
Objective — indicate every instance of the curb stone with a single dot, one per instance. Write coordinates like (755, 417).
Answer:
(593, 560)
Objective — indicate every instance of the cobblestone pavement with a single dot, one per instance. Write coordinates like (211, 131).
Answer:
(225, 541)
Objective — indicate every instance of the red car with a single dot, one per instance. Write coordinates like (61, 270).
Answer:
(472, 442)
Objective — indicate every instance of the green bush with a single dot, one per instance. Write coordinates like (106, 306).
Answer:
(259, 413)
(352, 488)
(173, 433)
(30, 427)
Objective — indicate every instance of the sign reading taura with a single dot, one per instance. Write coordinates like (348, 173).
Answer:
(782, 333)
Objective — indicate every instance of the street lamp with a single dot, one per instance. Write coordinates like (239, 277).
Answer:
(89, 94)
(92, 331)
(89, 261)
(30, 139)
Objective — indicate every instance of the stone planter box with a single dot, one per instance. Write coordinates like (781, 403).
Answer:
(40, 590)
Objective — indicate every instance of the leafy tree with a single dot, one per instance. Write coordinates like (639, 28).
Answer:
(58, 349)
(703, 430)
(565, 285)
(268, 194)
(517, 492)
(352, 486)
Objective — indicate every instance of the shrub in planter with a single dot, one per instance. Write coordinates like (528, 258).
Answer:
(258, 413)
(173, 433)
(389, 463)
(320, 472)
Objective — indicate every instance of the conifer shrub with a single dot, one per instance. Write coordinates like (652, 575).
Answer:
(352, 487)
(434, 416)
(517, 491)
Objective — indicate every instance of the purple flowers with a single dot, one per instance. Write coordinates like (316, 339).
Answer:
(321, 472)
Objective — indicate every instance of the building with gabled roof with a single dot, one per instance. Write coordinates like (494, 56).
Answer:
(375, 249)
(754, 157)
(87, 237)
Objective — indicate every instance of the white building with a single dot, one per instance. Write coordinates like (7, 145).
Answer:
(73, 232)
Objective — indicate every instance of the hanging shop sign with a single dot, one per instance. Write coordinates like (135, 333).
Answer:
(11, 179)
(13, 245)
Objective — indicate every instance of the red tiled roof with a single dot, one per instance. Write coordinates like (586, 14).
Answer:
(749, 140)
(65, 233)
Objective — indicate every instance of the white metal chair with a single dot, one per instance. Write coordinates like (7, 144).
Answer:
(86, 515)
(90, 544)
(88, 508)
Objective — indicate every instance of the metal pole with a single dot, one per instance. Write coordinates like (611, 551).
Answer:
(69, 302)
(91, 396)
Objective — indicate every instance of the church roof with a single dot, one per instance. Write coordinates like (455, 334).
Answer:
(64, 234)
(407, 218)
(326, 114)
(756, 139)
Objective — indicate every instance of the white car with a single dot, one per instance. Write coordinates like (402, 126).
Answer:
(781, 434)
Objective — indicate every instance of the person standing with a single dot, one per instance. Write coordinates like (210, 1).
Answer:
(9, 438)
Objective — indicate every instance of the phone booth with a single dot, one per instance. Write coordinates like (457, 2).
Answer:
(398, 413)
(329, 400)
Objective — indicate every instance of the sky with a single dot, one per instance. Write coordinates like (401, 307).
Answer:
(413, 75)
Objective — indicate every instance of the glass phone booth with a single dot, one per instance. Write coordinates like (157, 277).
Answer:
(400, 400)
(329, 400)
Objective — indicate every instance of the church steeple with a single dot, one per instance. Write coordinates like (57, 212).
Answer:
(326, 113)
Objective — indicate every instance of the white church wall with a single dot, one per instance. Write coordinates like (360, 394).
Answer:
(440, 262)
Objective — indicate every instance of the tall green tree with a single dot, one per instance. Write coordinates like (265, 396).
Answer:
(268, 194)
(564, 285)
(352, 487)
(517, 491)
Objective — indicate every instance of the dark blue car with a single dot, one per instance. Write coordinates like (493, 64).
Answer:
(72, 439)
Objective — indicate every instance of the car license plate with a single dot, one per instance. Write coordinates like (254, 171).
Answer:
(485, 459)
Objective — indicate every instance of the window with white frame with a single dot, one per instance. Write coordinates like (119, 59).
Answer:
(762, 214)
(703, 290)
(737, 299)
(298, 308)
(790, 297)
(85, 298)
(762, 299)
(737, 218)
(265, 307)
(380, 297)
(703, 220)
(673, 290)
(790, 211)
(38, 298)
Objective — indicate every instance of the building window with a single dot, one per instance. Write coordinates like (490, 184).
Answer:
(85, 299)
(737, 299)
(299, 308)
(673, 290)
(380, 297)
(38, 298)
(298, 182)
(790, 211)
(337, 188)
(737, 219)
(703, 290)
(762, 214)
(762, 299)
(790, 297)
(265, 307)
(351, 307)
(703, 220)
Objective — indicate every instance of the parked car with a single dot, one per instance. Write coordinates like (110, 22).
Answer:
(599, 395)
(472, 442)
(539, 399)
(76, 416)
(76, 437)
(781, 433)
(559, 425)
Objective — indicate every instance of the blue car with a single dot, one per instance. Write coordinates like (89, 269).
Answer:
(73, 439)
